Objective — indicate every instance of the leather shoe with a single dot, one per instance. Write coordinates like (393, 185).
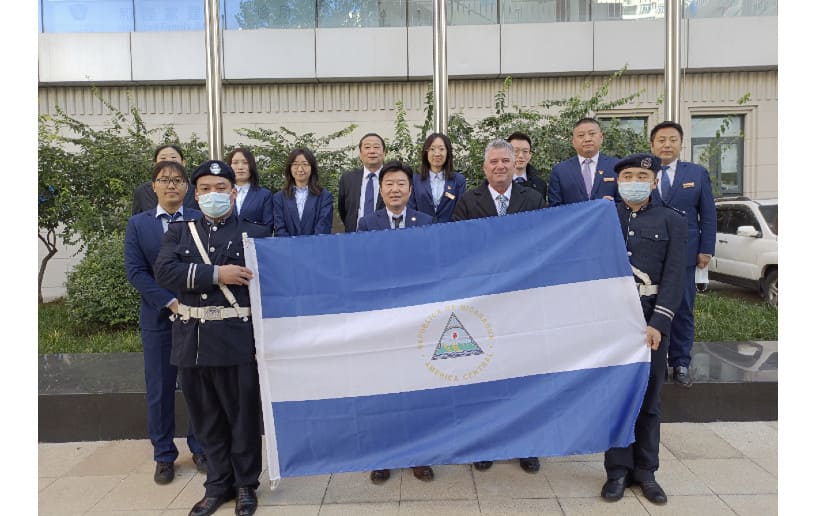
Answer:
(653, 492)
(530, 464)
(379, 476)
(200, 461)
(247, 502)
(483, 465)
(424, 473)
(164, 472)
(209, 505)
(613, 489)
(681, 375)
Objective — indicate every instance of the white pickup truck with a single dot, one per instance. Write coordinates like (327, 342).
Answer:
(747, 245)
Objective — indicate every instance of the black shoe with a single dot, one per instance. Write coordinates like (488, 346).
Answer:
(164, 472)
(247, 502)
(681, 376)
(209, 505)
(424, 473)
(379, 476)
(653, 492)
(530, 464)
(200, 461)
(483, 465)
(613, 489)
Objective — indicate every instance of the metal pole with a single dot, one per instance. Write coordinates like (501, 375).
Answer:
(673, 54)
(214, 54)
(440, 66)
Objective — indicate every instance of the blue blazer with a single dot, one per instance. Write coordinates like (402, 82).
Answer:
(566, 185)
(692, 195)
(257, 206)
(380, 220)
(144, 235)
(317, 219)
(422, 197)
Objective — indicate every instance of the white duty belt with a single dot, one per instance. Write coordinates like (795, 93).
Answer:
(212, 313)
(646, 288)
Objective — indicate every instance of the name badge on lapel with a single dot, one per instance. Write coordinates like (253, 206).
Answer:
(688, 185)
(608, 179)
(448, 195)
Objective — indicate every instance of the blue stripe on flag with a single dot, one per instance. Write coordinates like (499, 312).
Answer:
(440, 262)
(583, 411)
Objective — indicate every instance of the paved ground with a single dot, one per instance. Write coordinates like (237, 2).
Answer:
(706, 468)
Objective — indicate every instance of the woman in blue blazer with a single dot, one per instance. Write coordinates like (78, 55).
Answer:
(303, 207)
(253, 201)
(437, 187)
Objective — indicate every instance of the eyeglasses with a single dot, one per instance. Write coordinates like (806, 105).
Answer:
(176, 181)
(296, 164)
(521, 152)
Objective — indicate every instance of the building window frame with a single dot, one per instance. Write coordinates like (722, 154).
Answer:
(746, 173)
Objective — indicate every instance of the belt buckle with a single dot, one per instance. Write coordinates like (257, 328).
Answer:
(212, 313)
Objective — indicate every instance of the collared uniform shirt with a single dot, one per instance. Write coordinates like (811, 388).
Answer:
(364, 190)
(507, 195)
(403, 222)
(239, 199)
(671, 174)
(301, 194)
(159, 212)
(437, 182)
(594, 163)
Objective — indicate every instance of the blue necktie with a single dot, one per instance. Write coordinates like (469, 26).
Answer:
(369, 196)
(169, 218)
(664, 185)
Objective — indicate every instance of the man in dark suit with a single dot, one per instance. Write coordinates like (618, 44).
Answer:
(498, 196)
(396, 187)
(526, 174)
(587, 175)
(685, 187)
(144, 234)
(358, 188)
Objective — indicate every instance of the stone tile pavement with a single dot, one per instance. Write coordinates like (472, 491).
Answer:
(706, 469)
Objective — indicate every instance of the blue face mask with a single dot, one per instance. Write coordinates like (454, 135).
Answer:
(214, 204)
(634, 191)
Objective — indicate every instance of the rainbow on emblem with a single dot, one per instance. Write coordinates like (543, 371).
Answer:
(456, 341)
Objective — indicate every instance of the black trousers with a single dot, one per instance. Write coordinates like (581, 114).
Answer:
(225, 409)
(641, 458)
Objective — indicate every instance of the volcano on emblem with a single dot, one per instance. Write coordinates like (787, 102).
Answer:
(456, 341)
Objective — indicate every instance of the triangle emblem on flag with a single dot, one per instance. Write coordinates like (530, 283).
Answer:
(456, 341)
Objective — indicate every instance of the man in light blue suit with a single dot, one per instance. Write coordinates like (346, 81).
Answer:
(587, 175)
(144, 235)
(395, 187)
(685, 187)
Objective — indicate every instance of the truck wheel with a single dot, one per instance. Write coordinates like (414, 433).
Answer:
(771, 291)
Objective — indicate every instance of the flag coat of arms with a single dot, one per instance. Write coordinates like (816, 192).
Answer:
(488, 339)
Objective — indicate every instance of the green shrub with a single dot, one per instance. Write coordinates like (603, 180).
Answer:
(97, 291)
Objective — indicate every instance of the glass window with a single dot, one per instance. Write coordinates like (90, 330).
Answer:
(88, 16)
(771, 214)
(542, 11)
(637, 124)
(167, 15)
(717, 143)
(742, 216)
(459, 12)
(362, 13)
(719, 8)
(269, 14)
(630, 10)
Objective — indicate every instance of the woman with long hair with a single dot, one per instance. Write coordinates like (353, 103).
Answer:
(438, 186)
(303, 207)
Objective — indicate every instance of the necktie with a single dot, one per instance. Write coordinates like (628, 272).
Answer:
(502, 204)
(520, 180)
(167, 219)
(369, 196)
(664, 184)
(588, 182)
(396, 221)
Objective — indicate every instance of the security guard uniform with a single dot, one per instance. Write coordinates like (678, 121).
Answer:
(655, 237)
(214, 349)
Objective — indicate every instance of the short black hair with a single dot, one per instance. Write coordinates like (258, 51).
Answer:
(395, 166)
(160, 166)
(361, 141)
(587, 120)
(664, 125)
(520, 136)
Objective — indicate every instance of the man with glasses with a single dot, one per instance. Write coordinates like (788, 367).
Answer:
(144, 234)
(526, 174)
(587, 175)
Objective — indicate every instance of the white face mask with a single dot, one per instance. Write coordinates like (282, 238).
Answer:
(634, 191)
(214, 204)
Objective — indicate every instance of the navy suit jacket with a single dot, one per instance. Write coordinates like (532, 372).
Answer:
(422, 197)
(144, 235)
(380, 220)
(317, 219)
(566, 185)
(257, 206)
(692, 195)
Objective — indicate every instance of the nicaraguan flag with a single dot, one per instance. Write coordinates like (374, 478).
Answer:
(488, 339)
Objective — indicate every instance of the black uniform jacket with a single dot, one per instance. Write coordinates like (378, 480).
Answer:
(535, 181)
(349, 198)
(656, 237)
(478, 203)
(179, 268)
